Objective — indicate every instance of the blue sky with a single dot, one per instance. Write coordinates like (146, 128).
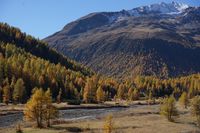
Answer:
(41, 18)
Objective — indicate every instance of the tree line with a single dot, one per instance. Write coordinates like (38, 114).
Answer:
(150, 85)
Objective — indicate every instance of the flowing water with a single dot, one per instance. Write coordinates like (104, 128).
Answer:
(69, 114)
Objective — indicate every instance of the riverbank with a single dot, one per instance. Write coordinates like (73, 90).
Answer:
(137, 118)
(64, 106)
(11, 115)
(13, 109)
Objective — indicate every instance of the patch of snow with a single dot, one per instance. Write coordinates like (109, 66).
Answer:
(164, 8)
(180, 6)
(117, 17)
(172, 13)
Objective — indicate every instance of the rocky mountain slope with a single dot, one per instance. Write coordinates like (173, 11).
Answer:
(160, 39)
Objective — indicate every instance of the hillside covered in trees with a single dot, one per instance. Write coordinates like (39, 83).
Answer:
(9, 34)
(27, 63)
(124, 44)
(132, 70)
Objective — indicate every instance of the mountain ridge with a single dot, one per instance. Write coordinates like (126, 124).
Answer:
(96, 41)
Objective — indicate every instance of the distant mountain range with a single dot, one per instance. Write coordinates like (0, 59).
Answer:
(160, 39)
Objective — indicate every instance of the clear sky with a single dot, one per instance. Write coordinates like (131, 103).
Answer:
(41, 18)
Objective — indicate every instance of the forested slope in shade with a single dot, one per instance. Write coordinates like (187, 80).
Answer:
(9, 34)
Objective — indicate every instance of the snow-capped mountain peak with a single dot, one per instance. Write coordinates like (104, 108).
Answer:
(180, 6)
(164, 8)
(173, 8)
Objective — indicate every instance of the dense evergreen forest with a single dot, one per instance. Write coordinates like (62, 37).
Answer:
(27, 63)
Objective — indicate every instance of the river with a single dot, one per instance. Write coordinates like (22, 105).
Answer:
(69, 114)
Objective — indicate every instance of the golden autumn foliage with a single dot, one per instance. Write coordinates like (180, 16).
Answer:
(50, 111)
(89, 94)
(195, 108)
(19, 91)
(168, 108)
(108, 125)
(121, 91)
(6, 94)
(100, 95)
(183, 100)
(39, 108)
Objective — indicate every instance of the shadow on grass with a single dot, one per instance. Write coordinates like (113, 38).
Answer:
(70, 129)
(180, 122)
(125, 127)
(143, 113)
(74, 129)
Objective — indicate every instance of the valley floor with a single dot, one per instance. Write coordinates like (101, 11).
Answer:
(138, 119)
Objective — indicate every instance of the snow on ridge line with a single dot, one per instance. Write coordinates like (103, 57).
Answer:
(162, 8)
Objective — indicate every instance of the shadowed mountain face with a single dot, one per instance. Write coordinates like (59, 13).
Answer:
(160, 39)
